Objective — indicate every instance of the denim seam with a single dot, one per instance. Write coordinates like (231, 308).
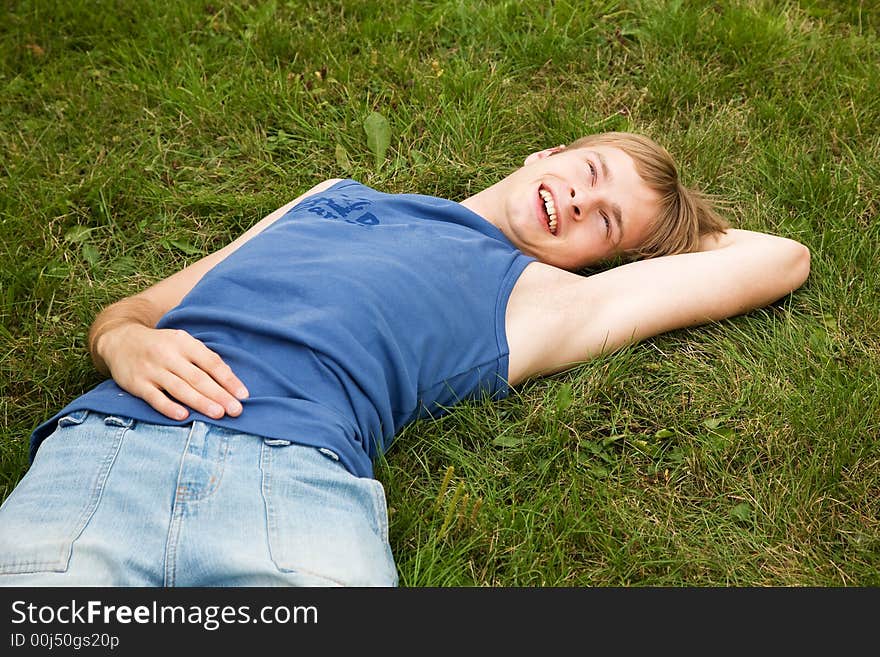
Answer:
(191, 495)
(380, 508)
(176, 519)
(266, 458)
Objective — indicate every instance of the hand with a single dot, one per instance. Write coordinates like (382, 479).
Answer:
(164, 365)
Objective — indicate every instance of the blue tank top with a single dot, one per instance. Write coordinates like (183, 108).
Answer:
(352, 315)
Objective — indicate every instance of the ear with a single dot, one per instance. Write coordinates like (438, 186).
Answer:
(547, 152)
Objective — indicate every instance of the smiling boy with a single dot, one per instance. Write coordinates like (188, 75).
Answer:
(251, 391)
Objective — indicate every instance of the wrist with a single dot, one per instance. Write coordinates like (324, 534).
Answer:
(119, 318)
(105, 338)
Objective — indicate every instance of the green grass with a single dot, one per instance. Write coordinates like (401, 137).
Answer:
(135, 137)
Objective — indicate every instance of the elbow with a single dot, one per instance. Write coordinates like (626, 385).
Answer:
(799, 267)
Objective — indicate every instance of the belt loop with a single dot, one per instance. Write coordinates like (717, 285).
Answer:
(119, 421)
(276, 442)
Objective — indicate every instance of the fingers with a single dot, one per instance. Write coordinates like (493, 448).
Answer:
(202, 381)
(156, 398)
(222, 375)
(199, 392)
(174, 372)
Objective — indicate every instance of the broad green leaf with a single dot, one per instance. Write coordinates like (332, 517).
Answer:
(591, 446)
(819, 340)
(564, 397)
(507, 441)
(77, 234)
(719, 438)
(56, 269)
(605, 456)
(182, 245)
(342, 158)
(91, 254)
(741, 511)
(613, 438)
(378, 136)
(123, 265)
(664, 433)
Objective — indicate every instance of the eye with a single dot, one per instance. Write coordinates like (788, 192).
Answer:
(607, 224)
(592, 171)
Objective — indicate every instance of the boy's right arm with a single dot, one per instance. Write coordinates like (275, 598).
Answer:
(168, 368)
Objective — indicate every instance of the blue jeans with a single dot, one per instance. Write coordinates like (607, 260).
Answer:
(109, 501)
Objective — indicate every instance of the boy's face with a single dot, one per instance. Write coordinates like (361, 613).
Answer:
(574, 208)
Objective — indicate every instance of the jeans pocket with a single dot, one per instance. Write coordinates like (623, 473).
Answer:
(321, 519)
(54, 501)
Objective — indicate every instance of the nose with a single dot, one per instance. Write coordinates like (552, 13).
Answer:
(575, 205)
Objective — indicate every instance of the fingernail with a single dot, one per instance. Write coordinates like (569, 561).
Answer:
(215, 410)
(242, 393)
(234, 408)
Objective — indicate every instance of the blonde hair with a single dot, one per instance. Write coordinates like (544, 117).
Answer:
(685, 215)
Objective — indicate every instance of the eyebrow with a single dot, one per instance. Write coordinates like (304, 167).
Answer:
(615, 208)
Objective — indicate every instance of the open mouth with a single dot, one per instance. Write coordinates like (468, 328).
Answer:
(549, 207)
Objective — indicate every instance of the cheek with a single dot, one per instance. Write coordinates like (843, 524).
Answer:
(597, 233)
(588, 251)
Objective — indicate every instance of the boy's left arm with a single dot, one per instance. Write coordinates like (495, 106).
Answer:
(733, 273)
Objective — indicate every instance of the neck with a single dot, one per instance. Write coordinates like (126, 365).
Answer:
(485, 203)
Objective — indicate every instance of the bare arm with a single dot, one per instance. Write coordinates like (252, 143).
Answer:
(160, 364)
(587, 316)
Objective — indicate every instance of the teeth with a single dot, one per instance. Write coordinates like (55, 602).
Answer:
(551, 208)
